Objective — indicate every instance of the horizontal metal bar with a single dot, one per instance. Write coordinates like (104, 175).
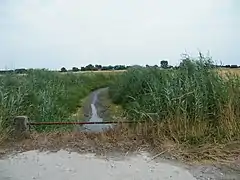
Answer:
(82, 123)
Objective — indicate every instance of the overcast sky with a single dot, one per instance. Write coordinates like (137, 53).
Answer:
(55, 33)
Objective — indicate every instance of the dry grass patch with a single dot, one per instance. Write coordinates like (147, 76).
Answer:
(227, 71)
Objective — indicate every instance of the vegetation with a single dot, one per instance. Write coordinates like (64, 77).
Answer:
(164, 64)
(44, 95)
(90, 67)
(63, 69)
(193, 104)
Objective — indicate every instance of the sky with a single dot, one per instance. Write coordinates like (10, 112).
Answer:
(65, 33)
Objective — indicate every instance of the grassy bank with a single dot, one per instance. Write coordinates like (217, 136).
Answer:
(44, 95)
(192, 105)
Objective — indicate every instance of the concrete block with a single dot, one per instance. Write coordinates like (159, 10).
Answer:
(21, 127)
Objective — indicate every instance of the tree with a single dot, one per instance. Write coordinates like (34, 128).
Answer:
(89, 67)
(98, 67)
(75, 69)
(104, 68)
(63, 69)
(119, 67)
(6, 71)
(83, 69)
(234, 66)
(20, 71)
(164, 64)
(110, 67)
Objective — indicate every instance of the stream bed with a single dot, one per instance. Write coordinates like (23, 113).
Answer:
(95, 111)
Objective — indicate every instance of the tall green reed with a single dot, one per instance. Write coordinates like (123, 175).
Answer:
(192, 95)
(44, 95)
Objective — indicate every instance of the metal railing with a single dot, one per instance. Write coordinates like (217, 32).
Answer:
(82, 123)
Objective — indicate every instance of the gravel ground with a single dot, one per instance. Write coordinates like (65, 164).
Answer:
(63, 165)
(210, 172)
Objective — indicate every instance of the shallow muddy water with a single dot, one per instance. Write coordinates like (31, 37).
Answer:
(94, 117)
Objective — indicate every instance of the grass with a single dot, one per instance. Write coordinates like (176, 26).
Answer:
(191, 112)
(44, 95)
(193, 105)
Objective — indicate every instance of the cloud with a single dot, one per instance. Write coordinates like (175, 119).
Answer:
(55, 33)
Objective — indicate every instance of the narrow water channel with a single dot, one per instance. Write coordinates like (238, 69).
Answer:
(94, 115)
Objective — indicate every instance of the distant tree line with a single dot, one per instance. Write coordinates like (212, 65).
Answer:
(163, 64)
(16, 71)
(96, 67)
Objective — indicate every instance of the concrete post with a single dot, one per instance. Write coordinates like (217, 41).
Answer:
(20, 127)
